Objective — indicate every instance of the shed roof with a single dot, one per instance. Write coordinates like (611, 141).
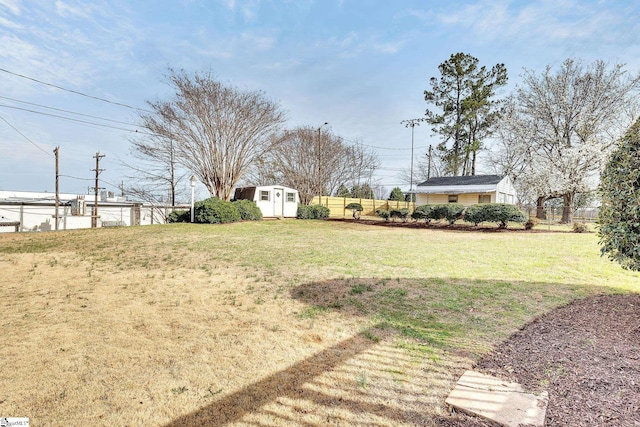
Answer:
(441, 181)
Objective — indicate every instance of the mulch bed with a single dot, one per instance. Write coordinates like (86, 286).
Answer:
(586, 355)
(442, 225)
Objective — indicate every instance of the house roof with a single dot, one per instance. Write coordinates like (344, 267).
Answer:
(442, 181)
(461, 184)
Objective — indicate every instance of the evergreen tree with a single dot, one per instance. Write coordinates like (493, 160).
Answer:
(465, 112)
(396, 194)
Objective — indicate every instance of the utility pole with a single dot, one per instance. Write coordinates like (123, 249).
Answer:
(94, 215)
(429, 163)
(411, 123)
(56, 151)
(319, 183)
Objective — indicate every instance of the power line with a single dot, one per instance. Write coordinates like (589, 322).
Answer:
(75, 177)
(374, 146)
(75, 120)
(73, 91)
(66, 111)
(25, 137)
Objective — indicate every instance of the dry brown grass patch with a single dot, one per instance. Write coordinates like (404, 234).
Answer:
(185, 325)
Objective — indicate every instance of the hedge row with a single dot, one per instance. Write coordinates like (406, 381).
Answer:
(500, 213)
(449, 211)
(218, 211)
(401, 214)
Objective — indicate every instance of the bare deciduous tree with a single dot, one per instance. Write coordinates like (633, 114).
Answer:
(424, 169)
(317, 162)
(561, 126)
(217, 129)
(155, 172)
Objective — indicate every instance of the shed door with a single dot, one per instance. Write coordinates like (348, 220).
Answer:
(278, 201)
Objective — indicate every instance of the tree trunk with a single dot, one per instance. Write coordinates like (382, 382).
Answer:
(567, 209)
(473, 163)
(540, 213)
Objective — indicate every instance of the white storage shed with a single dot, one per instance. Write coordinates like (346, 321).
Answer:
(274, 201)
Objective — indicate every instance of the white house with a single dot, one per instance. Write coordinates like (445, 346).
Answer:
(274, 201)
(466, 190)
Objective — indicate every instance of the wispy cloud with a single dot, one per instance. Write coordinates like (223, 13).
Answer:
(12, 6)
(259, 41)
(67, 42)
(9, 24)
(353, 45)
(544, 21)
(247, 8)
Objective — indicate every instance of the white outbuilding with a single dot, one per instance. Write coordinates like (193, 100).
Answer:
(274, 201)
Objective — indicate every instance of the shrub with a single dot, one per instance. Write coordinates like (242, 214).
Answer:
(476, 214)
(422, 212)
(399, 213)
(580, 227)
(531, 222)
(619, 216)
(248, 210)
(500, 213)
(356, 208)
(179, 216)
(383, 213)
(449, 211)
(504, 213)
(313, 212)
(215, 211)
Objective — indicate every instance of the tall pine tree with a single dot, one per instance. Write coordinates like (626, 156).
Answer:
(465, 111)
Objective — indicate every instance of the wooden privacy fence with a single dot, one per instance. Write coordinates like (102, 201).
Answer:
(337, 205)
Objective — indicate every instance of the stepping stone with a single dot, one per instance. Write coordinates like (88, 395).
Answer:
(497, 400)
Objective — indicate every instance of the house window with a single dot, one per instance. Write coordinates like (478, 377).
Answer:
(453, 198)
(484, 198)
(264, 195)
(291, 197)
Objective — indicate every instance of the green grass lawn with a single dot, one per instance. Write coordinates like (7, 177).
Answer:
(201, 312)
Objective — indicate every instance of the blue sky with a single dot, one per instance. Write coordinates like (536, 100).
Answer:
(360, 65)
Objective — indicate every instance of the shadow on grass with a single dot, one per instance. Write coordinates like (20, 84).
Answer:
(278, 397)
(450, 314)
(443, 321)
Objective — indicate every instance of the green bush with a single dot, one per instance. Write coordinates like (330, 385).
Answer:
(356, 208)
(504, 213)
(500, 213)
(215, 211)
(248, 210)
(313, 212)
(476, 214)
(619, 216)
(422, 212)
(449, 211)
(303, 212)
(179, 216)
(399, 213)
(383, 213)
